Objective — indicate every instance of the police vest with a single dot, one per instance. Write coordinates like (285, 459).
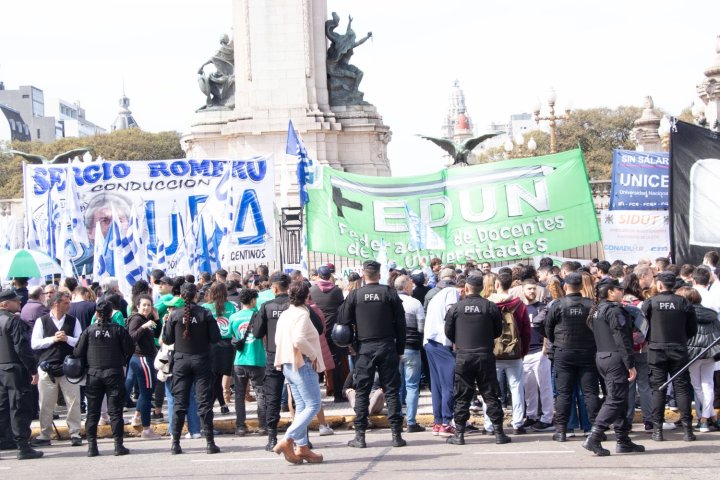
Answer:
(374, 312)
(668, 319)
(7, 347)
(474, 324)
(572, 331)
(272, 311)
(604, 332)
(104, 349)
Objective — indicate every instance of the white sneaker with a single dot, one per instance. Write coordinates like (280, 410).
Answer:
(325, 430)
(136, 422)
(149, 435)
(192, 436)
(669, 426)
(104, 420)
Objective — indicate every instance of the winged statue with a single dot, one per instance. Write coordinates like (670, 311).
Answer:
(58, 159)
(459, 151)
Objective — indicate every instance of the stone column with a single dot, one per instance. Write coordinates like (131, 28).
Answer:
(645, 134)
(709, 92)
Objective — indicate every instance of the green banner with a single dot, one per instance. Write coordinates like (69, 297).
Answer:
(492, 212)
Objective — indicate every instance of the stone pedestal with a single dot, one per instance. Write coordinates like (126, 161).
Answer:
(645, 133)
(280, 75)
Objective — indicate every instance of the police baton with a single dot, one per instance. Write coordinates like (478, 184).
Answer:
(684, 369)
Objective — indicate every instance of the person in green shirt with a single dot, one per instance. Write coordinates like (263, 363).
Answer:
(221, 353)
(165, 287)
(117, 316)
(249, 362)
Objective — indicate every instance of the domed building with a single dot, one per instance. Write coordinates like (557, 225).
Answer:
(124, 119)
(457, 119)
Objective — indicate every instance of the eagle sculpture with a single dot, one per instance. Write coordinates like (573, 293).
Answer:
(58, 159)
(459, 152)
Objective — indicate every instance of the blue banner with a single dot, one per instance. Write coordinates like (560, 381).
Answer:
(640, 180)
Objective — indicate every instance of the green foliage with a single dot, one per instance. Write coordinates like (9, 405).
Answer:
(130, 144)
(596, 130)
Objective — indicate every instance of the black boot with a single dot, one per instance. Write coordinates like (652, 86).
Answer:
(272, 439)
(26, 452)
(175, 447)
(358, 441)
(211, 448)
(688, 435)
(120, 449)
(397, 440)
(593, 444)
(500, 437)
(92, 447)
(458, 438)
(657, 434)
(560, 433)
(625, 445)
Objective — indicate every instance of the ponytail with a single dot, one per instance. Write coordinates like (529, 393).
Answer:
(103, 314)
(187, 292)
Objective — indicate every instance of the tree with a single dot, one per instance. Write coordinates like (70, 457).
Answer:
(130, 144)
(597, 131)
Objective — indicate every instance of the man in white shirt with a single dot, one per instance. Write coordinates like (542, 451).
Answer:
(701, 282)
(53, 338)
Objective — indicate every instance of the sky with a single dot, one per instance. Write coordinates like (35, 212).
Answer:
(505, 55)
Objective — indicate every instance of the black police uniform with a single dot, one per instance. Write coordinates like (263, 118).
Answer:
(264, 324)
(473, 324)
(672, 322)
(574, 357)
(17, 366)
(191, 363)
(379, 318)
(612, 328)
(105, 350)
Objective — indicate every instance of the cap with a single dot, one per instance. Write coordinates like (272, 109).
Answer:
(166, 280)
(418, 277)
(574, 279)
(331, 267)
(475, 279)
(175, 302)
(668, 278)
(9, 294)
(279, 277)
(324, 272)
(447, 273)
(392, 265)
(371, 266)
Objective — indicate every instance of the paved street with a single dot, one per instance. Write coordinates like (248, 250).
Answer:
(529, 456)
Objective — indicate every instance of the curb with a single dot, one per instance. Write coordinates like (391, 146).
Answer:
(338, 422)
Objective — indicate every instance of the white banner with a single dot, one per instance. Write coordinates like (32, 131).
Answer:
(186, 207)
(631, 235)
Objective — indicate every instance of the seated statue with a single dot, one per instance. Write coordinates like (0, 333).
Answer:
(343, 78)
(219, 85)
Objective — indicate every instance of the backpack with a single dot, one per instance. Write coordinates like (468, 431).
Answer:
(507, 345)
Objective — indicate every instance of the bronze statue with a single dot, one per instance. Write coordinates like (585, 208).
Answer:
(219, 85)
(343, 78)
(64, 157)
(459, 152)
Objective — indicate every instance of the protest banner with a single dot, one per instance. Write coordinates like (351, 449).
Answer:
(231, 199)
(631, 235)
(640, 180)
(491, 212)
(695, 203)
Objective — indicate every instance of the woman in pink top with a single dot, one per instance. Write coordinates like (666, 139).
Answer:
(299, 355)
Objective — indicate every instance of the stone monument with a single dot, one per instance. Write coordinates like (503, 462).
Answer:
(645, 133)
(280, 73)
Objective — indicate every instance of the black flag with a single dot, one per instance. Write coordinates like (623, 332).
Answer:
(694, 192)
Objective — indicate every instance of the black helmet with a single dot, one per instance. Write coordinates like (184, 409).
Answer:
(342, 335)
(73, 369)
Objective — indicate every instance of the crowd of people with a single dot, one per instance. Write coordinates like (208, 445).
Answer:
(566, 348)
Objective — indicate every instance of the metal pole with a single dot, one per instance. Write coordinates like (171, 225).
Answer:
(684, 369)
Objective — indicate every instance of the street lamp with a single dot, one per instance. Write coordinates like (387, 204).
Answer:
(552, 118)
(516, 145)
(664, 132)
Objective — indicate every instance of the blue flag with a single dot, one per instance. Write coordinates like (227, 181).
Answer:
(296, 148)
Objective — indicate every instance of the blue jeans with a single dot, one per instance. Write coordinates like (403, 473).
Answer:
(410, 370)
(142, 373)
(441, 361)
(305, 389)
(513, 371)
(641, 385)
(193, 420)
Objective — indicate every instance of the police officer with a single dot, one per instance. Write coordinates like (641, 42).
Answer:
(377, 313)
(192, 330)
(574, 358)
(18, 370)
(672, 322)
(473, 324)
(264, 323)
(105, 348)
(612, 328)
